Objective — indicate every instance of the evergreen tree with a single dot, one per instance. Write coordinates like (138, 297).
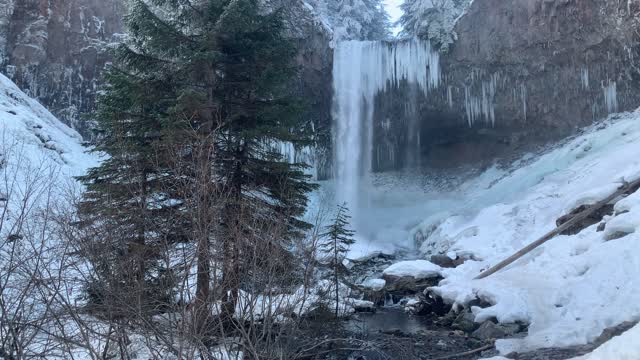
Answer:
(196, 100)
(120, 192)
(338, 239)
(432, 19)
(265, 195)
(355, 19)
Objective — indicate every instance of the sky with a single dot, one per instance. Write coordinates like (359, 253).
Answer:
(393, 8)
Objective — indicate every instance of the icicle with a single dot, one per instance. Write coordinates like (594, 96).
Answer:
(585, 78)
(449, 97)
(611, 97)
(523, 93)
(483, 106)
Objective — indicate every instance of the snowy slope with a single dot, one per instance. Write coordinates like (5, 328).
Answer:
(36, 135)
(573, 287)
(39, 157)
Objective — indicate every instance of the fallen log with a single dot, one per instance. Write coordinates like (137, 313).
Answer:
(467, 353)
(626, 188)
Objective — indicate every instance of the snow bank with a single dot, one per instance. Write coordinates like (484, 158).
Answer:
(418, 269)
(573, 287)
(623, 347)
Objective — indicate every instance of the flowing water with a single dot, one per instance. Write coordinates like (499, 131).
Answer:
(362, 69)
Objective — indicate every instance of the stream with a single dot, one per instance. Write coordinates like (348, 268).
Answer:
(396, 334)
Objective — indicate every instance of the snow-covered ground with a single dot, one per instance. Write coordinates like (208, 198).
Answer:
(32, 136)
(39, 156)
(569, 290)
(573, 287)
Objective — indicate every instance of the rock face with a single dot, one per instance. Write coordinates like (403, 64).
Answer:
(315, 58)
(55, 50)
(522, 72)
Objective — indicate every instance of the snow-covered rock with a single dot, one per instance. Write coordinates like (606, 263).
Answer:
(623, 224)
(374, 284)
(417, 269)
(592, 196)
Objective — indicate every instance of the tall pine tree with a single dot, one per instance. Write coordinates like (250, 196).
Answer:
(195, 103)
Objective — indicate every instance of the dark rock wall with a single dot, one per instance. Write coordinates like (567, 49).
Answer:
(56, 49)
(523, 72)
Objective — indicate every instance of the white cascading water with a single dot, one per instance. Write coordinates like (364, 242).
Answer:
(362, 69)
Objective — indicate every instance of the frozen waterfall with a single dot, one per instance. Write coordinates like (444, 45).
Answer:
(361, 70)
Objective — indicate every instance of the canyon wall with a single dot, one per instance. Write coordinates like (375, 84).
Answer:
(55, 49)
(521, 73)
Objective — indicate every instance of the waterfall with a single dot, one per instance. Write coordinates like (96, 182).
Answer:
(362, 69)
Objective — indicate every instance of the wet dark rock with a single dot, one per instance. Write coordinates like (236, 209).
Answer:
(573, 351)
(435, 304)
(490, 330)
(479, 302)
(616, 235)
(445, 261)
(465, 321)
(614, 331)
(592, 219)
(408, 285)
(447, 319)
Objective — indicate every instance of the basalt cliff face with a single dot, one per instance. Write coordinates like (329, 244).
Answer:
(522, 72)
(55, 50)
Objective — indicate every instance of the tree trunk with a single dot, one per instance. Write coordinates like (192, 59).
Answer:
(233, 240)
(335, 272)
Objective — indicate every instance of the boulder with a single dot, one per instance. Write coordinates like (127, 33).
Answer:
(445, 261)
(363, 306)
(465, 321)
(490, 330)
